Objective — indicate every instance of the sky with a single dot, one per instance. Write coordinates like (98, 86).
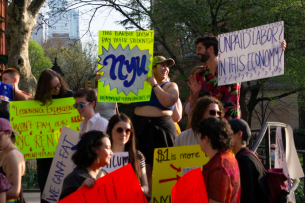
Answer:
(102, 21)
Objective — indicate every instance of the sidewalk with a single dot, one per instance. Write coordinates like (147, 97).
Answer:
(32, 197)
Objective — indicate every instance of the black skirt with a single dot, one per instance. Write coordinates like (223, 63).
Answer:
(153, 132)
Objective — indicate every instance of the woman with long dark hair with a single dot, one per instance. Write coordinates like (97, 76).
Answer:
(123, 139)
(92, 152)
(50, 86)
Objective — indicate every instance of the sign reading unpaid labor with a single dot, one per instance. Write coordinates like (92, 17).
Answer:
(39, 126)
(62, 164)
(119, 186)
(170, 164)
(251, 54)
(117, 161)
(125, 62)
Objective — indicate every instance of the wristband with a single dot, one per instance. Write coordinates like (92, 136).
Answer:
(155, 85)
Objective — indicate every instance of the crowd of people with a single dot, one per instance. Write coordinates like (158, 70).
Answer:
(213, 122)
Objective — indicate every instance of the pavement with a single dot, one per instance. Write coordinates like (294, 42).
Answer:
(32, 197)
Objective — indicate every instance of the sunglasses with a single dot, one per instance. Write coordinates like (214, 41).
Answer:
(81, 105)
(120, 130)
(213, 113)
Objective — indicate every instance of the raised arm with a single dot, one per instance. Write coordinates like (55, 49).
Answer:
(167, 96)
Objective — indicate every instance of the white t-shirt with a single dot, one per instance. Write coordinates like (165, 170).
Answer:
(186, 137)
(95, 123)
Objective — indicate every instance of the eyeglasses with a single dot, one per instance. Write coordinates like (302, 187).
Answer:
(213, 113)
(81, 105)
(57, 86)
(120, 130)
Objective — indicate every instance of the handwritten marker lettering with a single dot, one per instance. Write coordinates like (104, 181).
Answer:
(248, 51)
(124, 67)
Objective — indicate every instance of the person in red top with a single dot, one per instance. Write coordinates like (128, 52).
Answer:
(221, 173)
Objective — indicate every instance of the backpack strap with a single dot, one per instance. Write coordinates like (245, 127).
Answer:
(250, 152)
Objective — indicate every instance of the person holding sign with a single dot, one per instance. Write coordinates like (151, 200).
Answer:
(12, 76)
(221, 174)
(206, 106)
(85, 100)
(12, 164)
(152, 120)
(123, 139)
(50, 86)
(205, 80)
(92, 152)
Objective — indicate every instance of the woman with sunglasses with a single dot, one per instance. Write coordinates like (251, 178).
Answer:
(92, 152)
(50, 86)
(123, 139)
(207, 106)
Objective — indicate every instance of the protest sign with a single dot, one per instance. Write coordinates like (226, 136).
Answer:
(117, 161)
(39, 126)
(251, 54)
(190, 188)
(62, 164)
(125, 61)
(170, 164)
(119, 186)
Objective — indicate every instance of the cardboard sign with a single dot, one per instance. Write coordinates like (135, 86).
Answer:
(39, 126)
(170, 164)
(125, 61)
(62, 164)
(190, 188)
(117, 161)
(251, 54)
(119, 186)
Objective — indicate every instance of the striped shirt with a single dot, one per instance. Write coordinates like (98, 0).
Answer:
(142, 159)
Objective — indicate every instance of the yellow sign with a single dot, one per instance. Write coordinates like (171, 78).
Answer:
(125, 61)
(39, 126)
(170, 164)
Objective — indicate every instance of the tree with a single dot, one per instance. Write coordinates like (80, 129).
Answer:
(22, 15)
(76, 61)
(178, 22)
(37, 58)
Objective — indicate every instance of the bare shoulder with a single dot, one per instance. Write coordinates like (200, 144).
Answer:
(15, 157)
(170, 85)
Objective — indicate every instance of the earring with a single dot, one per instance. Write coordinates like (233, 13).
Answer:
(97, 161)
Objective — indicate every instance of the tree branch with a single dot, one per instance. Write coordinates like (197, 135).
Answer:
(35, 6)
(280, 96)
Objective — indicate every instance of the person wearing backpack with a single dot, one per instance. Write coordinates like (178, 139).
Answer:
(254, 183)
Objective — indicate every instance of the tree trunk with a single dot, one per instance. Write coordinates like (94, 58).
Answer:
(21, 22)
(243, 104)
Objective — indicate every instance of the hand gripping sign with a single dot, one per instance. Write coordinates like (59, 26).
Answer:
(39, 127)
(170, 164)
(251, 54)
(190, 188)
(125, 62)
(119, 186)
